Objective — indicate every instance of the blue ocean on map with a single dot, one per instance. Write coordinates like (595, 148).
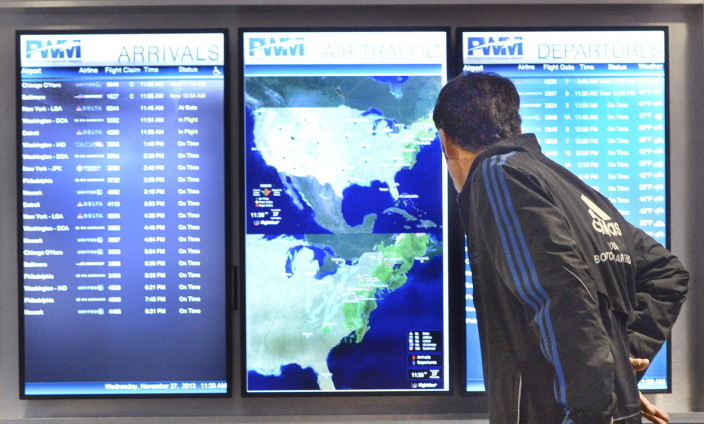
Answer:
(292, 377)
(366, 365)
(360, 201)
(417, 180)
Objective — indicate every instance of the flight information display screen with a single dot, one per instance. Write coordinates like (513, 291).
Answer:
(121, 152)
(596, 99)
(346, 221)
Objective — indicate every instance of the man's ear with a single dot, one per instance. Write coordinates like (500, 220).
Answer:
(448, 145)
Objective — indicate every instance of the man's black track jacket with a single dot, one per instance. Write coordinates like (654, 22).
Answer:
(565, 290)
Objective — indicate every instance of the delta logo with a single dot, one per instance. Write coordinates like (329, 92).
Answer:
(601, 222)
(53, 49)
(495, 47)
(276, 47)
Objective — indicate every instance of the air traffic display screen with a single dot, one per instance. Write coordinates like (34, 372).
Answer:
(596, 100)
(122, 197)
(345, 198)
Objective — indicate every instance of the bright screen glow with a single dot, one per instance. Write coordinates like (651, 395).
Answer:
(123, 288)
(597, 102)
(345, 229)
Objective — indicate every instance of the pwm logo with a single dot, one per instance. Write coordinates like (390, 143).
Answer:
(268, 47)
(495, 46)
(53, 50)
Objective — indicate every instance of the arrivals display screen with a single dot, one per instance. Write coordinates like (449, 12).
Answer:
(121, 155)
(597, 101)
(345, 212)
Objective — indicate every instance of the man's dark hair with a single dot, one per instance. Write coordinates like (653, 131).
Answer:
(478, 109)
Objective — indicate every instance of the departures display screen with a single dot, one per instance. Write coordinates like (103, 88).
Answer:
(121, 150)
(597, 101)
(345, 212)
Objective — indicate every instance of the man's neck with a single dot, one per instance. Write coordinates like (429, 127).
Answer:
(459, 166)
(459, 161)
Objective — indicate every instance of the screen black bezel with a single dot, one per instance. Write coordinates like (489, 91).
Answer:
(452, 328)
(458, 60)
(227, 210)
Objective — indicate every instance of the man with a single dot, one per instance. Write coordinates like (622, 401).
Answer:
(567, 292)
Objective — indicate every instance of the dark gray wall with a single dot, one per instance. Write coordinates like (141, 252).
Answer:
(687, 131)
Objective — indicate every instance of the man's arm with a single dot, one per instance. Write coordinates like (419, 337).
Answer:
(649, 411)
(661, 287)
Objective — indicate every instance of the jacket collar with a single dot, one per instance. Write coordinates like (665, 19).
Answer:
(523, 142)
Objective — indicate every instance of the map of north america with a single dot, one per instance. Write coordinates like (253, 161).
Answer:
(354, 175)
